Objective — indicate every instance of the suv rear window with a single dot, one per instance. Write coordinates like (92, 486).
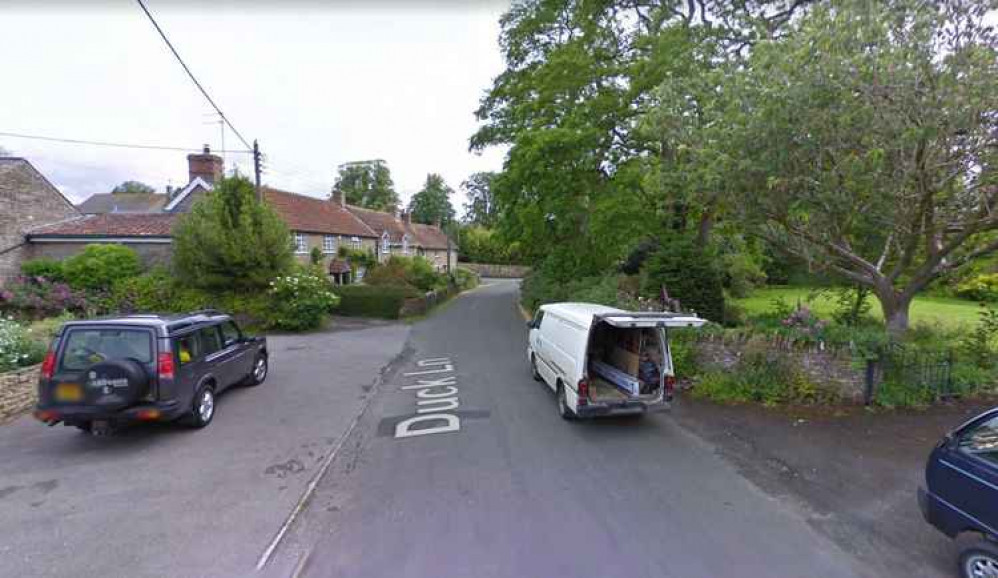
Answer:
(84, 347)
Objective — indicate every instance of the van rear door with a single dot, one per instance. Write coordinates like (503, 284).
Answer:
(645, 319)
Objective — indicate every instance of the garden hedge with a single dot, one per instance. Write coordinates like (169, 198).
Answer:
(383, 301)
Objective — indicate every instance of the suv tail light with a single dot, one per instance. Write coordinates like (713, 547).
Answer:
(165, 366)
(670, 383)
(48, 366)
(583, 391)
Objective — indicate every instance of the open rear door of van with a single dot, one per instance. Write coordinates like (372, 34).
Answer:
(646, 319)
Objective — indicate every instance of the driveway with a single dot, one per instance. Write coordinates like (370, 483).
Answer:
(504, 487)
(168, 501)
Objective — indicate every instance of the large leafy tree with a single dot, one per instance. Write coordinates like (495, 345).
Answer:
(481, 208)
(230, 241)
(134, 187)
(867, 139)
(368, 184)
(579, 75)
(431, 205)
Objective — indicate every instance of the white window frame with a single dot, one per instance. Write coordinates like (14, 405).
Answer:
(386, 244)
(355, 242)
(329, 244)
(301, 244)
(405, 245)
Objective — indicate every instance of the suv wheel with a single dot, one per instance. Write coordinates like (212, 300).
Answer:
(979, 560)
(203, 409)
(259, 372)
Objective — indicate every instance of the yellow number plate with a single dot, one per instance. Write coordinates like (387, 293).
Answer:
(68, 392)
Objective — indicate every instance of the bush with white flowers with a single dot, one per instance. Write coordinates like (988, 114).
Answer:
(17, 349)
(301, 301)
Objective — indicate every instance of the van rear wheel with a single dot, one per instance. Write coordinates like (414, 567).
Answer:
(563, 409)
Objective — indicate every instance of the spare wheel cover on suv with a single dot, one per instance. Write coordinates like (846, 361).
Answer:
(115, 384)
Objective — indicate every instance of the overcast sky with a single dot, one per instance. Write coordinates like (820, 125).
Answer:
(318, 84)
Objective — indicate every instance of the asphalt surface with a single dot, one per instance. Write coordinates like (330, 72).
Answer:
(516, 491)
(169, 501)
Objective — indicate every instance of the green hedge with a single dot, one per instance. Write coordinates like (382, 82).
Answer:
(384, 301)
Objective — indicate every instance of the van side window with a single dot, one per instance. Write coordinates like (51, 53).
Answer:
(210, 340)
(538, 317)
(981, 441)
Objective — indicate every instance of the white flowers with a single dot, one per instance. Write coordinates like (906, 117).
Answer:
(16, 348)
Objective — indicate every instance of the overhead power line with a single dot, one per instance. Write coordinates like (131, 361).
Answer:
(191, 75)
(112, 144)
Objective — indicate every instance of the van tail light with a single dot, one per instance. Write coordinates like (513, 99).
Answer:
(670, 383)
(48, 366)
(583, 391)
(164, 366)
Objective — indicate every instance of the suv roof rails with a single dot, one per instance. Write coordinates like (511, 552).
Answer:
(207, 311)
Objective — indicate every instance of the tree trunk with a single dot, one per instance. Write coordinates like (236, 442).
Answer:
(895, 307)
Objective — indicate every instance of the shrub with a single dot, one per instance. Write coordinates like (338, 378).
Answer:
(151, 292)
(97, 267)
(761, 375)
(852, 306)
(406, 271)
(315, 256)
(44, 330)
(383, 301)
(979, 288)
(17, 349)
(37, 297)
(230, 241)
(979, 345)
(466, 279)
(300, 301)
(690, 274)
(46, 268)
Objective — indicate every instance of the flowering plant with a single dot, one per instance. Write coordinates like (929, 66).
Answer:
(17, 349)
(301, 301)
(38, 297)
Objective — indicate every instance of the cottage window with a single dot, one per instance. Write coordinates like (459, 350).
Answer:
(355, 242)
(405, 245)
(329, 244)
(301, 245)
(385, 247)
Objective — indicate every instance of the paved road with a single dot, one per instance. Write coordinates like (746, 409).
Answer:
(167, 501)
(519, 492)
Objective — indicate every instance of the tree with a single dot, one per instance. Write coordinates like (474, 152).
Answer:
(368, 184)
(481, 207)
(431, 205)
(868, 141)
(230, 241)
(578, 183)
(134, 187)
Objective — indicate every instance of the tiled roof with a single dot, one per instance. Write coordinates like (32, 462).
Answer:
(428, 236)
(312, 215)
(123, 203)
(110, 225)
(380, 221)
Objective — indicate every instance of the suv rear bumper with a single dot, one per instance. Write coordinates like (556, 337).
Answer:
(73, 414)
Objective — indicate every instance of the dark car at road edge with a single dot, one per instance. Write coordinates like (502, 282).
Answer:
(101, 373)
(960, 497)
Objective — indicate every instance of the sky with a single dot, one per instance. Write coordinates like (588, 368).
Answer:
(318, 83)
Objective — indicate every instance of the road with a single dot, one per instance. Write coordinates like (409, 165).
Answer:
(169, 501)
(516, 491)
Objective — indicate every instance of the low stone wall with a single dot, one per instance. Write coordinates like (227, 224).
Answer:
(498, 271)
(832, 370)
(420, 305)
(18, 391)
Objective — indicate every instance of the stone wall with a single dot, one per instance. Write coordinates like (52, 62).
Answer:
(499, 271)
(832, 370)
(149, 253)
(18, 391)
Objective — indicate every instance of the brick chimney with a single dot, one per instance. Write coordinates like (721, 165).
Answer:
(339, 197)
(205, 165)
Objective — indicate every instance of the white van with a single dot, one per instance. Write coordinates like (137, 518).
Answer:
(604, 361)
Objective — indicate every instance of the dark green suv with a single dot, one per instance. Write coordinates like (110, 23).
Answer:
(101, 373)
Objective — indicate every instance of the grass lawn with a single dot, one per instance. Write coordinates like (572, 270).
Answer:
(952, 313)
